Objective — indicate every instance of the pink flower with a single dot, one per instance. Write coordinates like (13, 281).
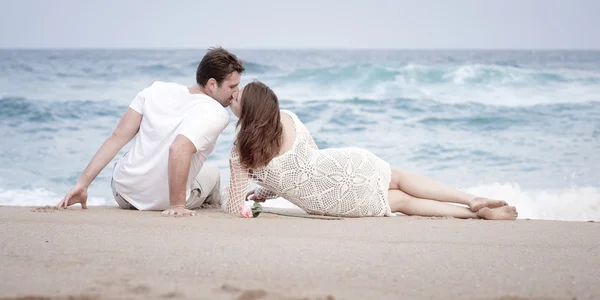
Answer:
(245, 212)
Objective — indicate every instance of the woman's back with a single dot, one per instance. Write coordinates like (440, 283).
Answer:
(289, 133)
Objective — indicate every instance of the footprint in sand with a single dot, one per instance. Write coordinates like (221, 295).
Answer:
(246, 294)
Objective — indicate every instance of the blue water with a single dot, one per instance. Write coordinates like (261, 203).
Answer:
(518, 125)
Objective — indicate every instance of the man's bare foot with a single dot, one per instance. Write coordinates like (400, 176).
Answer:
(498, 213)
(480, 202)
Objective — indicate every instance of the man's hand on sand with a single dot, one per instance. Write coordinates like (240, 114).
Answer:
(78, 194)
(178, 211)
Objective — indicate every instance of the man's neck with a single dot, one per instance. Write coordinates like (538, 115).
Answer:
(197, 89)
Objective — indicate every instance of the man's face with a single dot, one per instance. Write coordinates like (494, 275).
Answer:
(224, 93)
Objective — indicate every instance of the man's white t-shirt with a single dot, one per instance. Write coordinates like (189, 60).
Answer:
(168, 109)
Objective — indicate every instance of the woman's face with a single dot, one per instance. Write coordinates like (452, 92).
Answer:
(236, 104)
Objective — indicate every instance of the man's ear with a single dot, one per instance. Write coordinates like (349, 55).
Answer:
(212, 85)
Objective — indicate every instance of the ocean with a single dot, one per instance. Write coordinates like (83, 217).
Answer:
(523, 126)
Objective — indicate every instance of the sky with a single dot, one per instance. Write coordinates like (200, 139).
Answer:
(315, 24)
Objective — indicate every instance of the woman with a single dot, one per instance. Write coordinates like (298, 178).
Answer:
(275, 149)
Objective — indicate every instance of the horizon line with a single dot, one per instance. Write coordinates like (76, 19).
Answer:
(304, 48)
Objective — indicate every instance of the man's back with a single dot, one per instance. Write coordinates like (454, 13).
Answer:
(168, 109)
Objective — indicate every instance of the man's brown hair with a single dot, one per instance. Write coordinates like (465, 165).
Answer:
(217, 63)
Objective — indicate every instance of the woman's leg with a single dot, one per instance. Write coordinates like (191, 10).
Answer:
(412, 206)
(422, 187)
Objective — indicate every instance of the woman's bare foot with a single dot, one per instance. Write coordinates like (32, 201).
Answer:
(498, 213)
(480, 202)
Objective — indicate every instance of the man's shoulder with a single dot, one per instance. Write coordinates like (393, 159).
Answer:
(210, 108)
(161, 86)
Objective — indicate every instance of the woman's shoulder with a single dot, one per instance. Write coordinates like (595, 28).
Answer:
(292, 115)
(289, 112)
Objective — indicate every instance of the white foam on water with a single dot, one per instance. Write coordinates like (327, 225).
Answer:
(485, 84)
(446, 93)
(573, 204)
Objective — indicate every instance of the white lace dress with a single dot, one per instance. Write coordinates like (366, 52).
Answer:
(345, 182)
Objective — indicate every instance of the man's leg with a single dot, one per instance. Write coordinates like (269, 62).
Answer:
(118, 198)
(122, 202)
(206, 187)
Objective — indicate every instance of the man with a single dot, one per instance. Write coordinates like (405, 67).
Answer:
(177, 127)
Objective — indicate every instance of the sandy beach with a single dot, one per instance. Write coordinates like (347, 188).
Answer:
(108, 253)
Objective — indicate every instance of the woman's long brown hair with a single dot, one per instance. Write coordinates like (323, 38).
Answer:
(260, 135)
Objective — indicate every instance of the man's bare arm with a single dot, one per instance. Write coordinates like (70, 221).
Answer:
(127, 128)
(198, 132)
(180, 158)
